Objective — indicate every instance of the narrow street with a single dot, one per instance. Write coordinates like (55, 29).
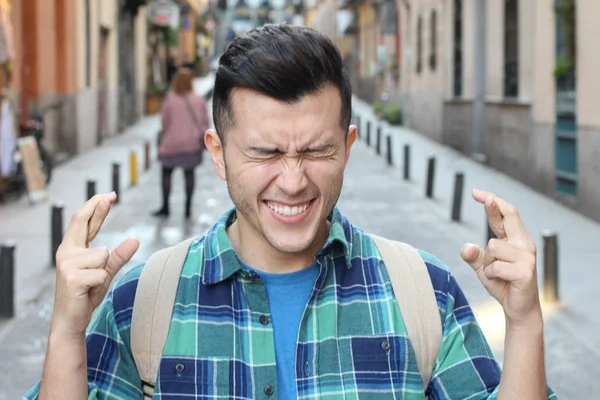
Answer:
(374, 197)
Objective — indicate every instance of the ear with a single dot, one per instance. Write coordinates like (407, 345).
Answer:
(350, 139)
(213, 144)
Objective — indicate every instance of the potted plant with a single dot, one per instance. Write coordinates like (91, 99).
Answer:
(154, 98)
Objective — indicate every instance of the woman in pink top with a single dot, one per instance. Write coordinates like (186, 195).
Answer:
(184, 122)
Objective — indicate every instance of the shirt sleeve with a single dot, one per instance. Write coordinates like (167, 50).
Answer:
(111, 370)
(465, 367)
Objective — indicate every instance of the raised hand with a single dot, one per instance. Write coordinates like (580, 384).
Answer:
(507, 267)
(84, 274)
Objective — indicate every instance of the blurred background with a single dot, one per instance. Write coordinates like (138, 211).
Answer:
(448, 95)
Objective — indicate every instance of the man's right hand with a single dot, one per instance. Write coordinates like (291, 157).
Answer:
(83, 274)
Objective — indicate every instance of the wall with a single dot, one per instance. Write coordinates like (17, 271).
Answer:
(588, 87)
(424, 90)
(544, 97)
(87, 96)
(141, 68)
(508, 126)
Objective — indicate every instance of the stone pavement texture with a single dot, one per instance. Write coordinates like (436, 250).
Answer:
(376, 198)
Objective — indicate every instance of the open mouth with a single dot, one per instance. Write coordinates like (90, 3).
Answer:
(290, 213)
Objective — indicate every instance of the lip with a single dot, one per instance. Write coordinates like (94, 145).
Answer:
(290, 219)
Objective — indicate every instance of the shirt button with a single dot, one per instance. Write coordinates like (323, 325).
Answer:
(307, 368)
(179, 368)
(386, 345)
(264, 320)
(269, 390)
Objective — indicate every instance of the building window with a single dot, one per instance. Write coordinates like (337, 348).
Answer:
(457, 50)
(433, 41)
(511, 48)
(419, 44)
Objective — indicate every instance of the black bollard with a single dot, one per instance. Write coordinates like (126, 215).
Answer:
(368, 133)
(430, 176)
(457, 198)
(91, 189)
(56, 230)
(406, 162)
(7, 280)
(550, 266)
(378, 141)
(390, 161)
(116, 180)
(147, 155)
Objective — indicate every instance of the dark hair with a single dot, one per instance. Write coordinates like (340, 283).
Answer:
(282, 61)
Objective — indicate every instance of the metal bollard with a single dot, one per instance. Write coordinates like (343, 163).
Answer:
(133, 173)
(7, 280)
(147, 156)
(550, 266)
(378, 141)
(358, 127)
(56, 230)
(90, 189)
(457, 198)
(116, 180)
(368, 133)
(390, 161)
(430, 176)
(406, 162)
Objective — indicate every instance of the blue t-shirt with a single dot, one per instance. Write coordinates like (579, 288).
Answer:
(288, 295)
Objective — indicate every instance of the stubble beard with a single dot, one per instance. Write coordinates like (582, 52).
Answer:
(249, 209)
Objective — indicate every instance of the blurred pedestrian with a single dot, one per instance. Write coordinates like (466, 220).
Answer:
(184, 121)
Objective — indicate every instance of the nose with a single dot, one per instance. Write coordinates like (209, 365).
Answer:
(293, 180)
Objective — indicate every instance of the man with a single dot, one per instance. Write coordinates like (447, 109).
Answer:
(284, 297)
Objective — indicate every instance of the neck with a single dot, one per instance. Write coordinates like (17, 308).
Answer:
(257, 252)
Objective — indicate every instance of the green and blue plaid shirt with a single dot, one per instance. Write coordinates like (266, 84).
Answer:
(220, 347)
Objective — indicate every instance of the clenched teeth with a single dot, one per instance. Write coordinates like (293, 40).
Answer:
(288, 211)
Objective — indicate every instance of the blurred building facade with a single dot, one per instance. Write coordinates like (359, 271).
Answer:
(82, 63)
(512, 82)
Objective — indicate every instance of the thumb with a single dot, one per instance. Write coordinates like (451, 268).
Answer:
(121, 255)
(473, 255)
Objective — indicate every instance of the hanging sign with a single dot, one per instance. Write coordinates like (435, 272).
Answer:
(163, 13)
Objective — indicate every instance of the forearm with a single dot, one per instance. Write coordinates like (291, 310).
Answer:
(65, 369)
(524, 375)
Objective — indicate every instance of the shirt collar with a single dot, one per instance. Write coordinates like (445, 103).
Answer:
(221, 261)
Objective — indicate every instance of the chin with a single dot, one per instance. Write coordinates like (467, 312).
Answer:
(290, 244)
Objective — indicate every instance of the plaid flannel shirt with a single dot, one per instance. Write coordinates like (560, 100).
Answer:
(220, 347)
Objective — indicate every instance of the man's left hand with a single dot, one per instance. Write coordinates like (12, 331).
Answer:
(507, 267)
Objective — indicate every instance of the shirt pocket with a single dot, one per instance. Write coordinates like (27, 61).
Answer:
(383, 364)
(204, 378)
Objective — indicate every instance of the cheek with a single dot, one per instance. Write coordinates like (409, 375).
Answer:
(325, 173)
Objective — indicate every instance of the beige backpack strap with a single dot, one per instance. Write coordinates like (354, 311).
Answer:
(152, 310)
(416, 298)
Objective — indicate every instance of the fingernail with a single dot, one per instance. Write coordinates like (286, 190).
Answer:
(109, 197)
(465, 246)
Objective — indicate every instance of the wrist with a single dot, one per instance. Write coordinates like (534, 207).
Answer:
(530, 325)
(60, 331)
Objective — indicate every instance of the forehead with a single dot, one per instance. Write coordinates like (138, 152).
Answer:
(259, 117)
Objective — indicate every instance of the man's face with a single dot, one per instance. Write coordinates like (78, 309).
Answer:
(284, 164)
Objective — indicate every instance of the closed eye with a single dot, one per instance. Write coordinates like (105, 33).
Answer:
(321, 150)
(263, 151)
